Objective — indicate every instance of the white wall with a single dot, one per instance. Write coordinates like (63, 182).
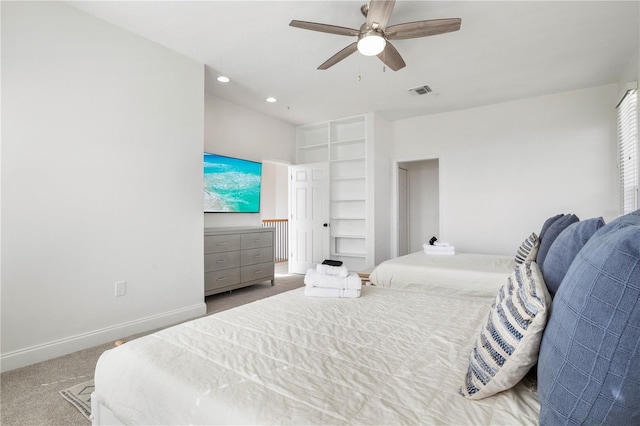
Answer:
(380, 171)
(274, 200)
(505, 168)
(101, 182)
(630, 72)
(236, 131)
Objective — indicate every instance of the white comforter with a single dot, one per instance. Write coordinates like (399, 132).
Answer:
(392, 356)
(462, 274)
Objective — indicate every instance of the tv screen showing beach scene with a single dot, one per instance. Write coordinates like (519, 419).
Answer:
(231, 185)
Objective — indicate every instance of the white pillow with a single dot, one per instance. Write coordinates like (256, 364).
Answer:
(508, 344)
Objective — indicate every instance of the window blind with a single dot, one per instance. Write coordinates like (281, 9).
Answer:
(628, 151)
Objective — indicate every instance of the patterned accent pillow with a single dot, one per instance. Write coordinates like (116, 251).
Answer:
(528, 249)
(509, 342)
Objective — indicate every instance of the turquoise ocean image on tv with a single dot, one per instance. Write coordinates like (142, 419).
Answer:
(231, 184)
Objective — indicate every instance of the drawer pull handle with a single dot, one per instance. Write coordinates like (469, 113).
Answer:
(221, 243)
(221, 279)
(259, 271)
(257, 256)
(257, 240)
(221, 261)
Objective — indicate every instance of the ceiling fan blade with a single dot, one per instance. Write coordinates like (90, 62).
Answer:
(379, 12)
(391, 57)
(422, 28)
(324, 28)
(339, 56)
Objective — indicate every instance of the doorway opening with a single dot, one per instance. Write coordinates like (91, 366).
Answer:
(418, 197)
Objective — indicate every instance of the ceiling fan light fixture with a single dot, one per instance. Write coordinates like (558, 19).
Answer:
(371, 43)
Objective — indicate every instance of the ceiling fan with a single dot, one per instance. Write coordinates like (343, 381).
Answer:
(374, 35)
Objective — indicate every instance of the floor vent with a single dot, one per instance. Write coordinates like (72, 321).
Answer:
(421, 90)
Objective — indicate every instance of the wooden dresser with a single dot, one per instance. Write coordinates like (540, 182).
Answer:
(237, 257)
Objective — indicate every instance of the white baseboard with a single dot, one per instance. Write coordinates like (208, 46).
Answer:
(46, 351)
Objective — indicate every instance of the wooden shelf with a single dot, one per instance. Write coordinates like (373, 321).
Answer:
(358, 255)
(348, 159)
(349, 141)
(313, 146)
(355, 237)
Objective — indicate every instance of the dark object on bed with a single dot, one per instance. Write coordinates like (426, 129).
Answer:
(332, 262)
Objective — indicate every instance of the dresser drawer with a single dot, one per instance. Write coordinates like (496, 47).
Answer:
(219, 243)
(223, 260)
(219, 279)
(257, 272)
(258, 255)
(257, 239)
(236, 257)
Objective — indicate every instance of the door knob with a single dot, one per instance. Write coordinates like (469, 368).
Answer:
(325, 225)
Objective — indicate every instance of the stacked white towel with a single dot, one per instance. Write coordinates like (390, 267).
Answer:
(321, 284)
(439, 249)
(335, 271)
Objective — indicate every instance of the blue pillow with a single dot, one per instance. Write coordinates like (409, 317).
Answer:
(565, 248)
(547, 223)
(550, 236)
(632, 218)
(589, 364)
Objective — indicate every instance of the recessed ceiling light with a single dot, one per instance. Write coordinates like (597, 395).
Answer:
(223, 79)
(272, 100)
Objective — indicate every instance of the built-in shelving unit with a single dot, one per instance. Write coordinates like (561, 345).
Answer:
(343, 144)
(347, 149)
(311, 143)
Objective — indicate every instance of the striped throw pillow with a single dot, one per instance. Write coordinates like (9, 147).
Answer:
(509, 342)
(528, 250)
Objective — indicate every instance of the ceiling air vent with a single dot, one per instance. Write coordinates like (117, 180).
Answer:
(421, 90)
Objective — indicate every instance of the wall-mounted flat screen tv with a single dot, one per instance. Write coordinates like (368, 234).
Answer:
(231, 185)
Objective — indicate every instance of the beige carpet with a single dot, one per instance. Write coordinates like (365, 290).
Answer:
(30, 395)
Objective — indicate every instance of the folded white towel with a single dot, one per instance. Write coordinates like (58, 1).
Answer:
(439, 253)
(330, 292)
(337, 271)
(351, 282)
(443, 250)
(427, 247)
(441, 243)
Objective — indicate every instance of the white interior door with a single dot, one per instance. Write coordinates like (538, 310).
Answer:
(309, 236)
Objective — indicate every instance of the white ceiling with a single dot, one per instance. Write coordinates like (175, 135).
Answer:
(504, 50)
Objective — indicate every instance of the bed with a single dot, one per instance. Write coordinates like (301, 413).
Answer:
(462, 273)
(407, 355)
(392, 356)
